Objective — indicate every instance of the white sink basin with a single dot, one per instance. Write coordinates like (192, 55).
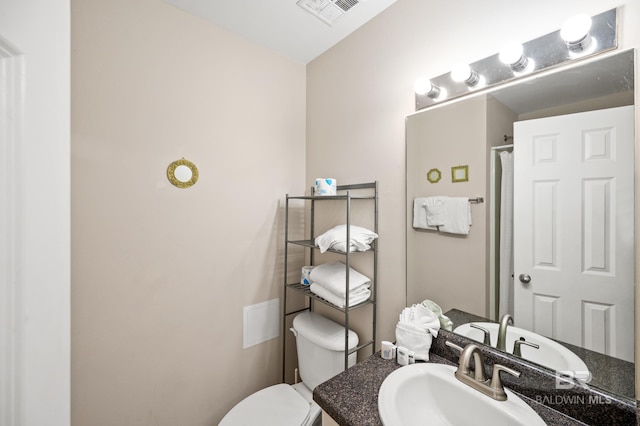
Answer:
(424, 393)
(550, 354)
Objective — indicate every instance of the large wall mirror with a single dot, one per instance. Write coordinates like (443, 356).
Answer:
(570, 136)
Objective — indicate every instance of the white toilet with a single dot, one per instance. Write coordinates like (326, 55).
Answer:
(320, 344)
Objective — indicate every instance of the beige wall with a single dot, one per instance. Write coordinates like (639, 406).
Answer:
(160, 274)
(359, 92)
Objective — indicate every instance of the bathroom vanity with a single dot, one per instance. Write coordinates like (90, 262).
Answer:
(351, 398)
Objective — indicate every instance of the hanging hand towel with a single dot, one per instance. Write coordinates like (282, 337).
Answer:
(420, 214)
(435, 207)
(457, 216)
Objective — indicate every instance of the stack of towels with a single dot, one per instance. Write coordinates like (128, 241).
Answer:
(329, 282)
(444, 214)
(416, 329)
(360, 239)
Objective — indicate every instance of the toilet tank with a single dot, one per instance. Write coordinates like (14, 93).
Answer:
(320, 344)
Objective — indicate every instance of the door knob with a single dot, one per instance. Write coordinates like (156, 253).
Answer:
(525, 278)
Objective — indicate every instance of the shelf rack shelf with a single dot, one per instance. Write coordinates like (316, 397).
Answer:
(345, 195)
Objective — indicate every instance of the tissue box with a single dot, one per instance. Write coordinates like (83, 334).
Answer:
(325, 186)
(305, 278)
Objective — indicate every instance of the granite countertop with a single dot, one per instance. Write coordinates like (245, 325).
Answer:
(351, 398)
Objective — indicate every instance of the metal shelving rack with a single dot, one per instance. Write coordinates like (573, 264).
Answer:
(345, 195)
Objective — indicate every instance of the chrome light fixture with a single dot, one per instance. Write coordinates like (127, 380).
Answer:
(580, 37)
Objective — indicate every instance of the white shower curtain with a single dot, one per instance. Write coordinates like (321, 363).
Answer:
(506, 235)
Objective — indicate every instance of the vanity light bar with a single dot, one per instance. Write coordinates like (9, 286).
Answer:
(576, 40)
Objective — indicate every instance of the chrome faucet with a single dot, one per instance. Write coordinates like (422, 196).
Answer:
(502, 332)
(491, 387)
(485, 332)
(517, 351)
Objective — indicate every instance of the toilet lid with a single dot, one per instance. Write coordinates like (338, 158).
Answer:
(279, 404)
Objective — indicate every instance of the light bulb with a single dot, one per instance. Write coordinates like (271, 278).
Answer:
(512, 55)
(575, 32)
(462, 73)
(423, 87)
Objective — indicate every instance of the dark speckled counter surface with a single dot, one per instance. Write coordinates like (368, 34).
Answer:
(351, 398)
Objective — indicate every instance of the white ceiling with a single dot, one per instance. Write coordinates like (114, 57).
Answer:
(282, 25)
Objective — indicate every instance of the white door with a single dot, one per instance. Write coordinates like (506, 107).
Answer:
(34, 213)
(574, 229)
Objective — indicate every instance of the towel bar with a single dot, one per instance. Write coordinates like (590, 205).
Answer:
(476, 200)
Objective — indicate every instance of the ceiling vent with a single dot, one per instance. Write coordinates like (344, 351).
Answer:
(327, 10)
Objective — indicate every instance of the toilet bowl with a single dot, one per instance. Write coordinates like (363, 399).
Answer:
(320, 347)
(282, 405)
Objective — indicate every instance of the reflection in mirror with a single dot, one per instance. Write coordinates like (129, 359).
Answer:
(183, 173)
(434, 175)
(464, 272)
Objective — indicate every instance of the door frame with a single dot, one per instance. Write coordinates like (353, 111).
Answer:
(11, 121)
(35, 213)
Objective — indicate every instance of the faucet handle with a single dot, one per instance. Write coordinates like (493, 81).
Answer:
(453, 346)
(496, 383)
(518, 343)
(457, 348)
(487, 334)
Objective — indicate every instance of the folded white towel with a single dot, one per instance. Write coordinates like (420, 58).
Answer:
(445, 321)
(341, 246)
(333, 276)
(421, 318)
(457, 216)
(414, 339)
(420, 214)
(355, 297)
(416, 329)
(336, 237)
